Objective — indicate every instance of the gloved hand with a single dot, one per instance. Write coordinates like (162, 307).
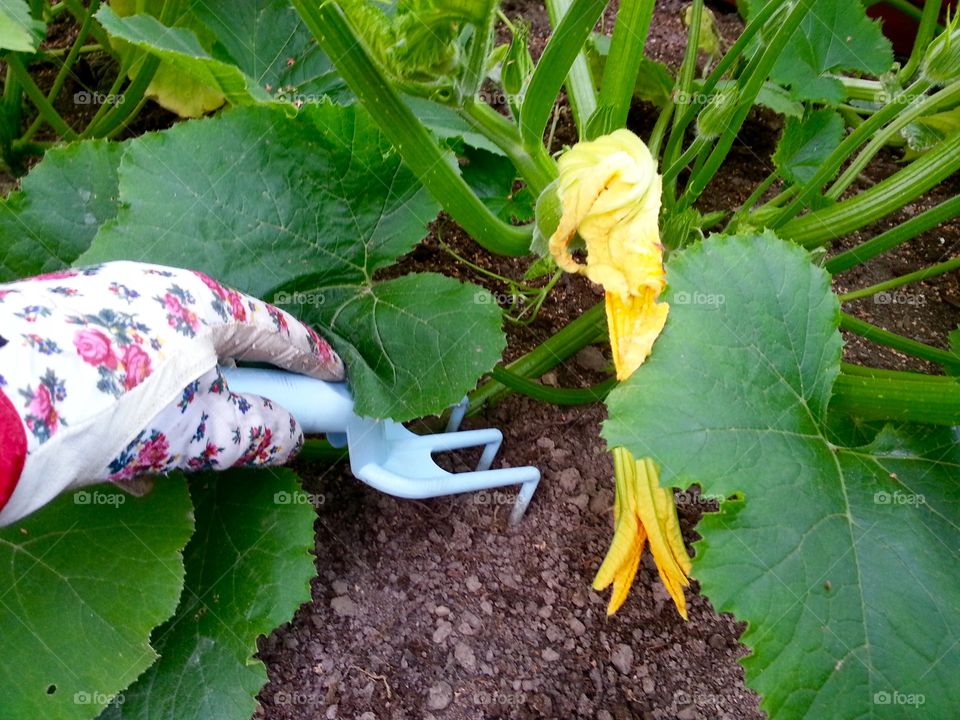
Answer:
(110, 373)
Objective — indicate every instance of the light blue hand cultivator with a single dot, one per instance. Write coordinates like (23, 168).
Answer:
(383, 453)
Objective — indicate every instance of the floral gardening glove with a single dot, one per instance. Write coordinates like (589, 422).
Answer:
(110, 373)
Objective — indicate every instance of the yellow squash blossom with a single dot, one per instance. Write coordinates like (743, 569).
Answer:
(610, 194)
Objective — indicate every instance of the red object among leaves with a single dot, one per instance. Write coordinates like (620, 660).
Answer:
(13, 448)
(900, 27)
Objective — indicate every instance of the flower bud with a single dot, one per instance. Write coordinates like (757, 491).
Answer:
(517, 65)
(941, 62)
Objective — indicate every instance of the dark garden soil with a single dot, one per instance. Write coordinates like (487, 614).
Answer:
(436, 609)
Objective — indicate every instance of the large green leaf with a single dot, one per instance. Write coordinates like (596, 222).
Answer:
(841, 560)
(82, 583)
(315, 203)
(18, 30)
(248, 569)
(61, 205)
(835, 36)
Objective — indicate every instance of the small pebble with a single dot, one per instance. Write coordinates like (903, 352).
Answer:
(622, 658)
(343, 606)
(439, 696)
(550, 655)
(464, 655)
(473, 583)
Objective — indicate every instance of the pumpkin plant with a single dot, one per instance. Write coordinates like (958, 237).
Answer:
(338, 144)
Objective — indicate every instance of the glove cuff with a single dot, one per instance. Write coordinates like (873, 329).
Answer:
(13, 448)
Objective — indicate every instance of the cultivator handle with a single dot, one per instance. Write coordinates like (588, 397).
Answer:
(383, 453)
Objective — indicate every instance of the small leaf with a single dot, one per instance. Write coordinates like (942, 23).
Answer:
(61, 204)
(248, 569)
(84, 581)
(841, 560)
(413, 345)
(834, 36)
(18, 30)
(806, 143)
(492, 177)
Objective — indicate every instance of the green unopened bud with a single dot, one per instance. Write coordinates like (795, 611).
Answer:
(517, 65)
(718, 113)
(941, 62)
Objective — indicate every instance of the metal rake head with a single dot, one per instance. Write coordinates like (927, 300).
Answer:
(383, 453)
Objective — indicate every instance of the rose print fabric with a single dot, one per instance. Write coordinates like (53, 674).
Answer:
(111, 371)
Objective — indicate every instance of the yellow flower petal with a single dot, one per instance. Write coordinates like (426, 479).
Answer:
(634, 325)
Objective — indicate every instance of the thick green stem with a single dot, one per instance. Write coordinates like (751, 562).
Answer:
(918, 107)
(415, 144)
(623, 62)
(749, 87)
(557, 396)
(562, 61)
(898, 342)
(829, 167)
(895, 236)
(67, 65)
(535, 165)
(683, 98)
(909, 397)
(39, 100)
(589, 328)
(894, 192)
(928, 272)
(78, 11)
(925, 33)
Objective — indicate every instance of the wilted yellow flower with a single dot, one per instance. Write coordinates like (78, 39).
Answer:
(610, 194)
(643, 511)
